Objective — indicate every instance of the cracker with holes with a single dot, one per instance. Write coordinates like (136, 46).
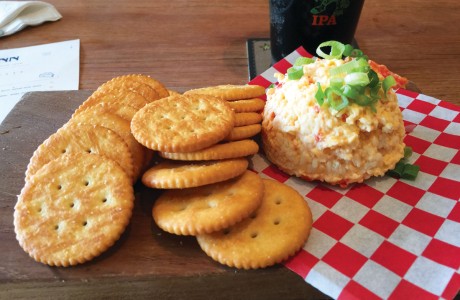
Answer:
(82, 138)
(219, 151)
(208, 208)
(183, 123)
(277, 230)
(247, 105)
(178, 174)
(157, 86)
(118, 94)
(73, 209)
(119, 126)
(230, 92)
(124, 110)
(133, 84)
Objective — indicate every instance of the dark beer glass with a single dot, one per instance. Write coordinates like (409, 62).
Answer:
(308, 23)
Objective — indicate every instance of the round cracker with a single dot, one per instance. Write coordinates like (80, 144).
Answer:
(247, 105)
(122, 95)
(73, 209)
(277, 230)
(219, 151)
(120, 109)
(208, 208)
(131, 83)
(183, 123)
(178, 175)
(159, 88)
(243, 132)
(248, 118)
(81, 138)
(230, 92)
(121, 127)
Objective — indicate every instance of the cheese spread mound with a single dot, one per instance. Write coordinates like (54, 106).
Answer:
(317, 142)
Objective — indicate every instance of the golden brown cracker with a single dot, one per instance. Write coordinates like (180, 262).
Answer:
(277, 230)
(124, 96)
(208, 208)
(82, 138)
(120, 109)
(178, 175)
(243, 132)
(219, 151)
(247, 105)
(119, 126)
(231, 92)
(73, 209)
(133, 84)
(183, 123)
(247, 118)
(173, 93)
(159, 88)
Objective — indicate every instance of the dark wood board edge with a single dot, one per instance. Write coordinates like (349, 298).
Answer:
(257, 284)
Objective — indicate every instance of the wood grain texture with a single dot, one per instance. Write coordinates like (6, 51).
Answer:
(146, 262)
(196, 43)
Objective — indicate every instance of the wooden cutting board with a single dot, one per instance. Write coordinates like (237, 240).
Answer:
(146, 262)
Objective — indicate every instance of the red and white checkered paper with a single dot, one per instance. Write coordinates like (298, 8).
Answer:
(386, 238)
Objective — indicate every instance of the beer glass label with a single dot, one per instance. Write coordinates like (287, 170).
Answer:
(321, 8)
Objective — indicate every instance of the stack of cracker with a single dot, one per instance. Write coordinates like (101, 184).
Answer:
(203, 136)
(78, 196)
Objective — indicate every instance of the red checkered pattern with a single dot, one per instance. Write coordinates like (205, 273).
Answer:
(386, 238)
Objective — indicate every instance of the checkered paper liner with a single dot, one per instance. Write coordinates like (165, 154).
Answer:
(386, 238)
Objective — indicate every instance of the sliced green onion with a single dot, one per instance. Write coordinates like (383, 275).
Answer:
(364, 100)
(407, 152)
(336, 52)
(350, 92)
(349, 67)
(303, 61)
(336, 99)
(336, 82)
(295, 73)
(319, 95)
(347, 50)
(356, 53)
(410, 172)
(373, 78)
(388, 82)
(357, 78)
(397, 171)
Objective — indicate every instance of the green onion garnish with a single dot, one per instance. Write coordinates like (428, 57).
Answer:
(410, 172)
(397, 171)
(295, 73)
(405, 170)
(303, 61)
(407, 152)
(357, 78)
(336, 82)
(347, 50)
(387, 83)
(319, 95)
(336, 99)
(373, 78)
(337, 50)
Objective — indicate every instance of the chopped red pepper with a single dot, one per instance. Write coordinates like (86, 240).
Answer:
(384, 71)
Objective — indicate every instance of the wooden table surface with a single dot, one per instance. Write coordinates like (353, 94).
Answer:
(187, 44)
(194, 43)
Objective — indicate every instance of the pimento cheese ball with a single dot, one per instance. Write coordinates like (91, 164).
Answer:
(319, 142)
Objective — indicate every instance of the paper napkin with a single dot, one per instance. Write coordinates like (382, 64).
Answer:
(16, 15)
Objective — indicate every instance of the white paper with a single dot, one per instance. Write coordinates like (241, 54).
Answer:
(49, 67)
